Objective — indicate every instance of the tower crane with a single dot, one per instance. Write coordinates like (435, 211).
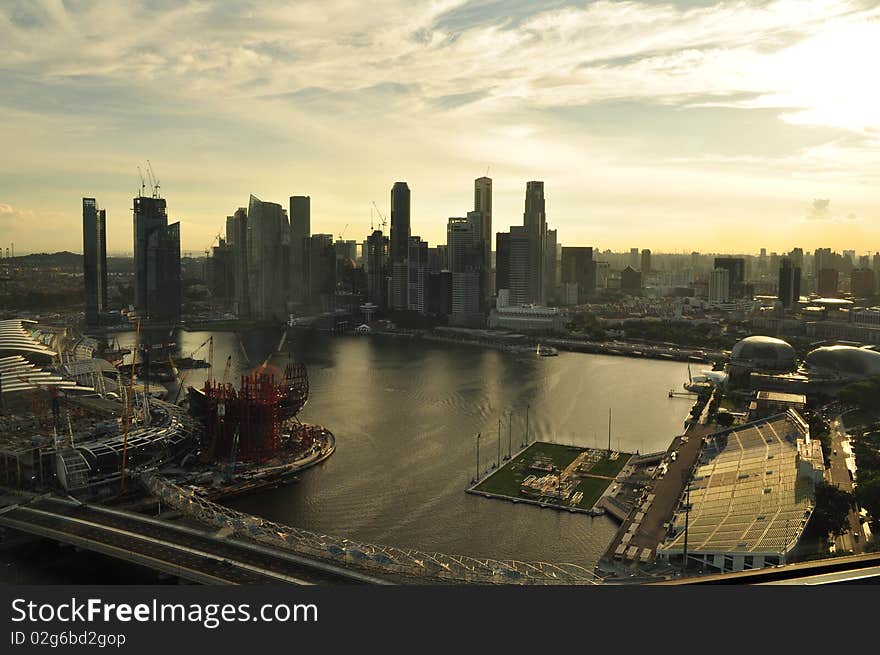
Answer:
(154, 181)
(143, 184)
(382, 221)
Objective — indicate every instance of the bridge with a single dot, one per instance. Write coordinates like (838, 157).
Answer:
(191, 554)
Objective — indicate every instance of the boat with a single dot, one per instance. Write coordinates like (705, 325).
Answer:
(546, 351)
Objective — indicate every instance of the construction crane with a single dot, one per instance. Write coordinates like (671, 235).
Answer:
(342, 234)
(154, 181)
(143, 184)
(382, 221)
(216, 239)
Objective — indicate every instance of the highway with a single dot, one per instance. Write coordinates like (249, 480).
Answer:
(188, 553)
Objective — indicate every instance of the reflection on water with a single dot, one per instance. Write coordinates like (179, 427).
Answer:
(406, 414)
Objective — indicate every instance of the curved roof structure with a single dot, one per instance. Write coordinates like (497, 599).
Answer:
(18, 374)
(764, 354)
(846, 361)
(16, 338)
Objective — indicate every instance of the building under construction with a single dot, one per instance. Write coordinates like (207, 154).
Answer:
(246, 424)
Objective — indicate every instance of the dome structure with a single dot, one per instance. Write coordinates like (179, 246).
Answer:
(846, 361)
(763, 354)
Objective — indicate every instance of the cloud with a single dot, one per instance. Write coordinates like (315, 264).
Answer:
(820, 210)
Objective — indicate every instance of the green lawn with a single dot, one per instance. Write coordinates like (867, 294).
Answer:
(506, 481)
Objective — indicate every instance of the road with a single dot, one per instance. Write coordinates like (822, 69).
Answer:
(839, 475)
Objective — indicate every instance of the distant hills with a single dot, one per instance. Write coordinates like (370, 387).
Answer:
(69, 261)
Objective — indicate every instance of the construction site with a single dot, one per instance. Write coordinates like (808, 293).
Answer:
(72, 422)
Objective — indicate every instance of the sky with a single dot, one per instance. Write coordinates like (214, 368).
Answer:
(676, 126)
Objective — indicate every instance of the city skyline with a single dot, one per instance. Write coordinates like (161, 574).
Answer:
(719, 127)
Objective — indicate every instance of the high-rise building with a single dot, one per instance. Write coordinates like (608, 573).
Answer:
(376, 263)
(789, 283)
(322, 272)
(417, 263)
(463, 240)
(268, 244)
(221, 280)
(736, 267)
(719, 286)
(157, 289)
(94, 260)
(826, 282)
(483, 205)
(861, 282)
(400, 233)
(236, 236)
(646, 263)
(579, 268)
(550, 262)
(300, 231)
(535, 222)
(630, 280)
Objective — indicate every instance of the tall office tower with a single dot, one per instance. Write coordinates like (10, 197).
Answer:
(548, 275)
(322, 272)
(646, 263)
(797, 257)
(520, 258)
(377, 268)
(789, 283)
(157, 292)
(535, 222)
(502, 261)
(236, 236)
(221, 280)
(463, 239)
(443, 257)
(633, 258)
(400, 233)
(268, 237)
(434, 263)
(864, 261)
(736, 267)
(826, 282)
(345, 250)
(438, 293)
(94, 260)
(861, 283)
(821, 259)
(875, 262)
(483, 204)
(719, 286)
(417, 262)
(300, 231)
(579, 269)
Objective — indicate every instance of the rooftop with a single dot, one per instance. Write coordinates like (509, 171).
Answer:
(749, 493)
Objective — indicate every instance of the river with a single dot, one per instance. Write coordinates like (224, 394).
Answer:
(406, 414)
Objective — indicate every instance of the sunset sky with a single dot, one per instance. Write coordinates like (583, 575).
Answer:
(717, 126)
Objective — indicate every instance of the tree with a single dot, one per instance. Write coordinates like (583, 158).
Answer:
(868, 494)
(832, 509)
(724, 419)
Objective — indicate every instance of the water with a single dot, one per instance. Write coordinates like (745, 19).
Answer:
(406, 414)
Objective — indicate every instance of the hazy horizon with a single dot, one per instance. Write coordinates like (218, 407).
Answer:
(674, 126)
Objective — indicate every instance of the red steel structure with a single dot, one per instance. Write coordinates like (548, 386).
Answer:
(255, 412)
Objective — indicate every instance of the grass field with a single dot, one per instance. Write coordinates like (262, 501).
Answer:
(506, 480)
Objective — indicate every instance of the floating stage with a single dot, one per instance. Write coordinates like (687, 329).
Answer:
(557, 476)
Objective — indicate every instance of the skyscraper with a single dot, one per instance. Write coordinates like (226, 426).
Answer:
(646, 263)
(719, 286)
(236, 236)
(578, 268)
(861, 282)
(483, 205)
(322, 272)
(400, 233)
(417, 265)
(300, 231)
(376, 258)
(157, 290)
(94, 260)
(789, 283)
(268, 236)
(463, 239)
(736, 267)
(535, 222)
